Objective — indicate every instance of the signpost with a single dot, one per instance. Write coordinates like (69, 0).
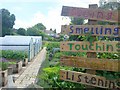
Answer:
(87, 79)
(93, 14)
(100, 46)
(91, 63)
(95, 30)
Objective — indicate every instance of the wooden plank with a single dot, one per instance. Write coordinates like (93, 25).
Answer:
(98, 46)
(91, 63)
(93, 14)
(94, 30)
(87, 79)
(92, 54)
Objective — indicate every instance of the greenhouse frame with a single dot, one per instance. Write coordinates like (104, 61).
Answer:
(30, 44)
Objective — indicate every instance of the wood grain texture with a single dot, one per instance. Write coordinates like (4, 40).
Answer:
(94, 30)
(98, 46)
(91, 63)
(87, 79)
(90, 13)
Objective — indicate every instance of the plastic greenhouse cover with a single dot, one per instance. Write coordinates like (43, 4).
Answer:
(17, 40)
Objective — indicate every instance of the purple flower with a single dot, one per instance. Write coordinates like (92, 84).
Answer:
(3, 60)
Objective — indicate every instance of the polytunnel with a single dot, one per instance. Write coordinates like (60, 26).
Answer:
(37, 40)
(22, 43)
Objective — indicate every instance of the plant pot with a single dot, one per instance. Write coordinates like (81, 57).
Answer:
(4, 75)
(25, 62)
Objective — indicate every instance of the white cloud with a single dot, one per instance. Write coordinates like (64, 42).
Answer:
(53, 19)
(9, 1)
(37, 18)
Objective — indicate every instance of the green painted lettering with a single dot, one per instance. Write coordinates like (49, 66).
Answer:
(70, 45)
(90, 47)
(77, 47)
(108, 47)
(98, 47)
(85, 47)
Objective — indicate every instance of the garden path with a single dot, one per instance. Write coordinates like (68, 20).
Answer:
(29, 75)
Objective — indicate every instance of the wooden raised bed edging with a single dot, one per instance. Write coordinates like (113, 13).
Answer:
(3, 77)
(10, 70)
(25, 62)
(16, 67)
(0, 78)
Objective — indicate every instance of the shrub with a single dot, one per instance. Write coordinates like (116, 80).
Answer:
(51, 76)
(52, 45)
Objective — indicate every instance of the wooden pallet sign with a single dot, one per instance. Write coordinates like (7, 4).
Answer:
(100, 46)
(91, 63)
(93, 14)
(95, 30)
(87, 79)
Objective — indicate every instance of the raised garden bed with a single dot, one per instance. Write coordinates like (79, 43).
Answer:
(25, 62)
(3, 77)
(16, 67)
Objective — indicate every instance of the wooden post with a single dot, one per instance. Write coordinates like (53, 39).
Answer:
(92, 54)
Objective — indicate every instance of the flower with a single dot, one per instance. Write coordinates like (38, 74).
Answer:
(3, 60)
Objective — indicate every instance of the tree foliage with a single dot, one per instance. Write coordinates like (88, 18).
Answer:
(109, 6)
(40, 26)
(7, 22)
(77, 21)
(21, 31)
(36, 30)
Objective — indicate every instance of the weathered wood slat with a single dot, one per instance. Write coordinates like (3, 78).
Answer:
(87, 79)
(91, 63)
(98, 46)
(94, 30)
(93, 14)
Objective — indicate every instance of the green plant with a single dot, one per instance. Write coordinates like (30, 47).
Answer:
(50, 75)
(17, 55)
(4, 63)
(52, 45)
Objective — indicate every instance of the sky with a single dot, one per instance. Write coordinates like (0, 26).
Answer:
(30, 12)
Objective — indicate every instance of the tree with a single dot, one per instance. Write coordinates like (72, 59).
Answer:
(40, 26)
(50, 29)
(7, 22)
(21, 31)
(102, 2)
(54, 31)
(36, 30)
(77, 21)
(110, 6)
(33, 32)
